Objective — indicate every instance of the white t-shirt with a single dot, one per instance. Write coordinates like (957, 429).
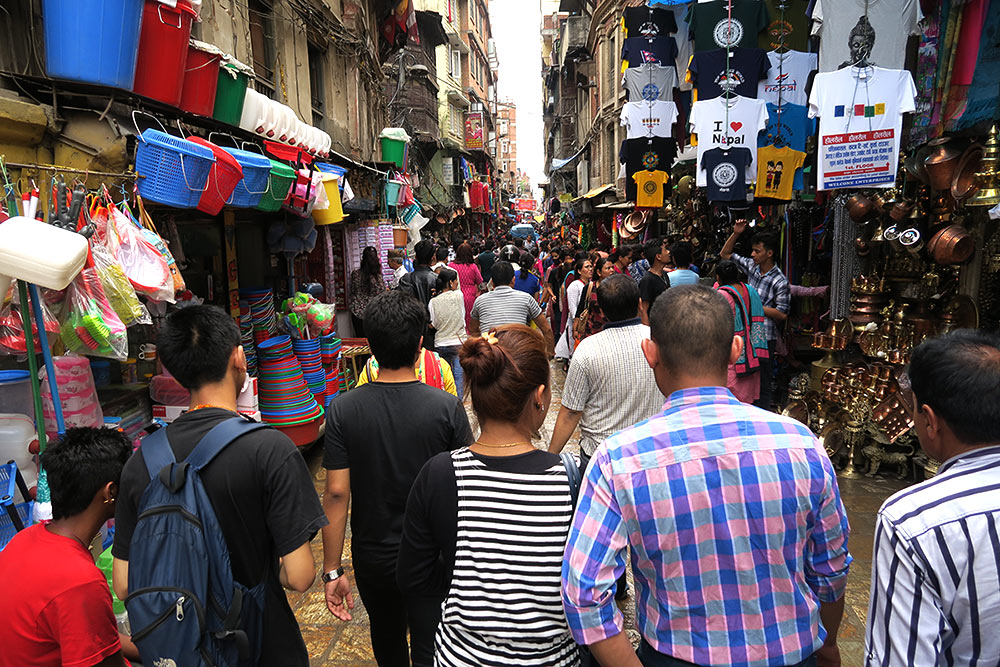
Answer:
(787, 77)
(860, 121)
(650, 82)
(890, 23)
(719, 127)
(648, 119)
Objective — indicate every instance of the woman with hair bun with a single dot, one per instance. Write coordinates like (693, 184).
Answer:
(486, 524)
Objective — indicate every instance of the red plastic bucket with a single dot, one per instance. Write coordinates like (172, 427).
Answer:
(163, 51)
(222, 180)
(201, 77)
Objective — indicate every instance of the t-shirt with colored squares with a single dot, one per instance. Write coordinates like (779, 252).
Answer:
(860, 115)
(650, 187)
(774, 167)
(788, 126)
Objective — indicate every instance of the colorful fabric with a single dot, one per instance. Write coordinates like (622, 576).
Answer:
(748, 324)
(432, 370)
(736, 528)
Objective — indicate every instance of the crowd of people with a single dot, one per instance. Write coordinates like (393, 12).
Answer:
(472, 543)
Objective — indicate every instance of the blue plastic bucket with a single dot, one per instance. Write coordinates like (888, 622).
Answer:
(95, 41)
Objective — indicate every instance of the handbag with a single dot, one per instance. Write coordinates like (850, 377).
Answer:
(580, 321)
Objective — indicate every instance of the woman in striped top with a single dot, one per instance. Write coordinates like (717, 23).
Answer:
(487, 523)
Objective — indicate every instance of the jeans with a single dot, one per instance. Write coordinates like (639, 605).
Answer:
(390, 615)
(650, 657)
(450, 354)
(767, 378)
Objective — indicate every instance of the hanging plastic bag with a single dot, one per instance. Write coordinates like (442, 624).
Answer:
(143, 264)
(405, 191)
(153, 236)
(12, 326)
(93, 327)
(117, 288)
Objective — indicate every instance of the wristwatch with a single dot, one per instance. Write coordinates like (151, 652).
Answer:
(333, 575)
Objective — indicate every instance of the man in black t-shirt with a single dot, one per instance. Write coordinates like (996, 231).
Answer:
(259, 486)
(655, 281)
(378, 437)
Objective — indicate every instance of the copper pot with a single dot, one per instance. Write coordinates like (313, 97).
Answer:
(901, 209)
(964, 184)
(941, 163)
(860, 207)
(914, 164)
(951, 245)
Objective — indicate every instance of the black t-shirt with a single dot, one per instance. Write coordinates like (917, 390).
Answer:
(710, 24)
(267, 507)
(793, 25)
(726, 173)
(645, 153)
(486, 260)
(385, 432)
(427, 552)
(652, 286)
(638, 50)
(746, 68)
(649, 21)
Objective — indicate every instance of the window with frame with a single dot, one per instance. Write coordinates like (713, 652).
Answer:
(262, 44)
(455, 64)
(457, 122)
(317, 57)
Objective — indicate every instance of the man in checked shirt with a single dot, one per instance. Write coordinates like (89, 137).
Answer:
(733, 516)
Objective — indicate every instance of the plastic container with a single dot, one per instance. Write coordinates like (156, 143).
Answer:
(163, 51)
(10, 489)
(17, 432)
(256, 171)
(222, 179)
(172, 171)
(15, 394)
(303, 434)
(335, 212)
(280, 182)
(253, 108)
(38, 253)
(230, 93)
(101, 370)
(393, 151)
(93, 41)
(201, 78)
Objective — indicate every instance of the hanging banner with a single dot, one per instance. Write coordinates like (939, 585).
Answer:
(857, 159)
(474, 130)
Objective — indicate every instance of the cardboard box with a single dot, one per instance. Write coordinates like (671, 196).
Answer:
(248, 397)
(168, 413)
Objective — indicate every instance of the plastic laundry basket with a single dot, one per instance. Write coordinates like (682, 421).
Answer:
(256, 170)
(163, 51)
(280, 182)
(230, 94)
(94, 41)
(171, 171)
(222, 180)
(201, 77)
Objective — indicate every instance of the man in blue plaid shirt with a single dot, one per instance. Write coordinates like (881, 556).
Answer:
(772, 287)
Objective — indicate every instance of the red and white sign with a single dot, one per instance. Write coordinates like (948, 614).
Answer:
(526, 205)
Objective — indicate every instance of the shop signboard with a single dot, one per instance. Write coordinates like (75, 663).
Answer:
(857, 159)
(474, 136)
(526, 205)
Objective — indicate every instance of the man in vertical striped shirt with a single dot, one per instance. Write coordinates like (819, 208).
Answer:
(732, 514)
(935, 597)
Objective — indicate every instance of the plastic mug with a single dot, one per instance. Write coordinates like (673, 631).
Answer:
(147, 352)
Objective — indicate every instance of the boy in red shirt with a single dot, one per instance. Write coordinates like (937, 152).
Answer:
(57, 604)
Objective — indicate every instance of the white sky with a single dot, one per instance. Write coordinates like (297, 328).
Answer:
(517, 34)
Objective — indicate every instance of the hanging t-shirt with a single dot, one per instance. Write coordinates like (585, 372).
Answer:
(648, 119)
(648, 22)
(775, 167)
(713, 29)
(787, 77)
(788, 126)
(650, 82)
(734, 123)
(685, 45)
(861, 118)
(727, 173)
(793, 24)
(852, 29)
(711, 78)
(649, 191)
(638, 50)
(645, 154)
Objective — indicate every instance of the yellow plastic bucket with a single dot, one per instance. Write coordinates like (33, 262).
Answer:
(335, 213)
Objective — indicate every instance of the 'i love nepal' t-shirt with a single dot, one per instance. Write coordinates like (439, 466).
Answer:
(727, 123)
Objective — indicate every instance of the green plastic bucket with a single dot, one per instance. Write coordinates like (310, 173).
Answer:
(229, 95)
(279, 182)
(394, 150)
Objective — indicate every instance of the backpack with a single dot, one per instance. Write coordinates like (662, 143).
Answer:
(574, 475)
(183, 604)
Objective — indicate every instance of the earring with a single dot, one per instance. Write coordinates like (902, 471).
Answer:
(538, 406)
(108, 501)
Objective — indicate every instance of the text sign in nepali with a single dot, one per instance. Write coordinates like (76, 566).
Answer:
(857, 159)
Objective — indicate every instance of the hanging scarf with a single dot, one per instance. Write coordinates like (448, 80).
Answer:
(748, 324)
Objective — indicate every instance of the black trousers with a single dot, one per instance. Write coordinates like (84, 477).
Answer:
(766, 378)
(359, 326)
(391, 615)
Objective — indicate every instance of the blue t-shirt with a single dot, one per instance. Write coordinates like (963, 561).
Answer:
(683, 277)
(529, 284)
(789, 125)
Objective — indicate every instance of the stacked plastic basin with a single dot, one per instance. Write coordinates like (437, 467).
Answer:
(285, 398)
(310, 357)
(256, 171)
(94, 41)
(172, 170)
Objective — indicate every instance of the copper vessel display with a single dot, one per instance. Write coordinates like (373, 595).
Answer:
(941, 163)
(951, 245)
(860, 207)
(988, 175)
(901, 209)
(964, 184)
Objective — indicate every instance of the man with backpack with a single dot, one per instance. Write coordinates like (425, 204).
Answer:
(205, 544)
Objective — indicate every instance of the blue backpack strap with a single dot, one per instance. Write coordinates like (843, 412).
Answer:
(156, 452)
(573, 473)
(216, 440)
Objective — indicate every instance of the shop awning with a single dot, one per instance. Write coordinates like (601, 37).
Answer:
(616, 205)
(601, 189)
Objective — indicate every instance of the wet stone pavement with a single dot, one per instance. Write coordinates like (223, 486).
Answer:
(333, 642)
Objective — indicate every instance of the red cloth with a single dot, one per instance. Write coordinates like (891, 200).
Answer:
(469, 279)
(57, 605)
(475, 195)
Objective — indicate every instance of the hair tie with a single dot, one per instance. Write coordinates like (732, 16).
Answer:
(491, 338)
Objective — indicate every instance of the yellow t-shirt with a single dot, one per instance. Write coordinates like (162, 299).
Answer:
(650, 190)
(776, 171)
(447, 377)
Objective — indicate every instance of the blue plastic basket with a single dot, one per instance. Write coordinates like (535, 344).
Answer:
(171, 170)
(253, 185)
(10, 482)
